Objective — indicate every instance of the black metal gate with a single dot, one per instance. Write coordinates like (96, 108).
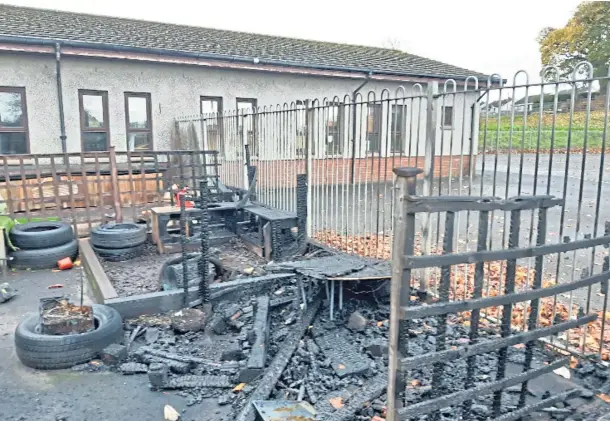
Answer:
(407, 315)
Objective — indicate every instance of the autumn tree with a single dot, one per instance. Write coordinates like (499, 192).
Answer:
(586, 36)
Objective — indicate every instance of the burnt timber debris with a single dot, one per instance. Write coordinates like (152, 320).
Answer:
(313, 333)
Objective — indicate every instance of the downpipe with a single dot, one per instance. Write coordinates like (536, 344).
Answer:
(60, 98)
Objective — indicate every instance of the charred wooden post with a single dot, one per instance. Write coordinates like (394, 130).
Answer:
(251, 175)
(403, 244)
(302, 211)
(204, 289)
(183, 244)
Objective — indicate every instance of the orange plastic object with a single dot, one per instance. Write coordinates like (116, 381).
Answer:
(64, 264)
(187, 203)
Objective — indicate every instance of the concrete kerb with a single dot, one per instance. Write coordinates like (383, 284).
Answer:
(155, 302)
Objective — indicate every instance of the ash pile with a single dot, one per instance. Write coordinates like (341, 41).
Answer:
(275, 348)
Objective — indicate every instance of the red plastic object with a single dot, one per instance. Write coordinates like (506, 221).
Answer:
(188, 203)
(64, 264)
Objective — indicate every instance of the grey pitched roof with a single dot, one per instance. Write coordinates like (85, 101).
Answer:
(102, 30)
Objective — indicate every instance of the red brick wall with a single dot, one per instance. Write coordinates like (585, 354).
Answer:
(283, 173)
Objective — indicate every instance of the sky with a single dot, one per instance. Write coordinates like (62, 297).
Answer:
(485, 36)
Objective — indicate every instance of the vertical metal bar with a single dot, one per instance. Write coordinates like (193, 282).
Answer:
(431, 126)
(438, 375)
(244, 139)
(475, 315)
(535, 305)
(507, 311)
(581, 186)
(114, 179)
(308, 165)
(600, 183)
(403, 244)
(565, 189)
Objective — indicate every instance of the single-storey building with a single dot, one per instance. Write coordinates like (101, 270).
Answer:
(75, 82)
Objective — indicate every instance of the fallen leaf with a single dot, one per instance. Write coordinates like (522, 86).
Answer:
(604, 397)
(341, 367)
(379, 324)
(55, 286)
(337, 402)
(239, 387)
(519, 346)
(414, 383)
(76, 263)
(249, 271)
(563, 372)
(170, 413)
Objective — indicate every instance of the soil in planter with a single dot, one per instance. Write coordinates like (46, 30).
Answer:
(141, 275)
(137, 276)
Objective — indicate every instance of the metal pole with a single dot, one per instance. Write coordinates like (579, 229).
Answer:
(402, 244)
(245, 148)
(430, 147)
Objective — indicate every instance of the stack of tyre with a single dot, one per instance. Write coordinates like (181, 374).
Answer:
(40, 245)
(119, 242)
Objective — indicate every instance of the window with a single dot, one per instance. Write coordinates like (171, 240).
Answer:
(247, 107)
(14, 137)
(447, 117)
(139, 122)
(334, 130)
(94, 120)
(302, 116)
(399, 112)
(213, 105)
(373, 129)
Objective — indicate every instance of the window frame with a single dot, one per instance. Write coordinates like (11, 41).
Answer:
(395, 128)
(340, 129)
(219, 121)
(444, 124)
(149, 129)
(81, 109)
(377, 122)
(25, 128)
(254, 103)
